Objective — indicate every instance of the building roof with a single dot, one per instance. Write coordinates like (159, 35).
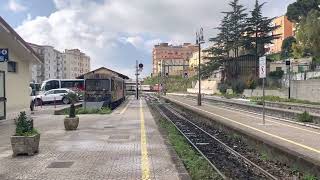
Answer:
(104, 68)
(17, 37)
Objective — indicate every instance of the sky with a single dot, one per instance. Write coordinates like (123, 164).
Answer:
(116, 33)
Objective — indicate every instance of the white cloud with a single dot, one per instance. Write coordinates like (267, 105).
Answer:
(15, 6)
(113, 32)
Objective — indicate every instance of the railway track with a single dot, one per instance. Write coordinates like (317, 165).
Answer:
(226, 161)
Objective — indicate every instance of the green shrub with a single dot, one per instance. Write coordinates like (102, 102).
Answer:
(223, 88)
(276, 74)
(103, 110)
(305, 117)
(238, 86)
(24, 125)
(73, 99)
(251, 84)
(274, 57)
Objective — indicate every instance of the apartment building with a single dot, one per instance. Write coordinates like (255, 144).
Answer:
(52, 68)
(76, 63)
(59, 65)
(286, 29)
(194, 59)
(173, 58)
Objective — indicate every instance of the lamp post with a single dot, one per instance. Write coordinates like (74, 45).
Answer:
(159, 75)
(199, 41)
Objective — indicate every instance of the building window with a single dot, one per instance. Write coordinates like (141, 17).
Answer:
(12, 66)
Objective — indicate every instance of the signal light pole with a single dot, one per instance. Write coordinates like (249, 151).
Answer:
(199, 41)
(139, 68)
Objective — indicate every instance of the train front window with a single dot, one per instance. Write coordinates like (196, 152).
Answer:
(97, 85)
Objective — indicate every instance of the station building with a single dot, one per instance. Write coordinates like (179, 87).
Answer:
(15, 74)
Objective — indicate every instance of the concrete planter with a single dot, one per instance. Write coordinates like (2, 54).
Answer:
(71, 123)
(28, 145)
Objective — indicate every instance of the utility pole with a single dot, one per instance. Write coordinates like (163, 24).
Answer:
(289, 93)
(199, 41)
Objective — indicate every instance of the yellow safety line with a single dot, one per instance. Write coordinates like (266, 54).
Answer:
(125, 108)
(256, 116)
(144, 150)
(275, 136)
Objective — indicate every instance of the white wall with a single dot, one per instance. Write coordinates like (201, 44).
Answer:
(17, 84)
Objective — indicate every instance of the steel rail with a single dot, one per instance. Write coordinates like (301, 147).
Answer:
(202, 154)
(223, 144)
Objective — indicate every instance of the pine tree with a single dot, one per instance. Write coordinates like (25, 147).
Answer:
(229, 39)
(259, 30)
(220, 50)
(237, 22)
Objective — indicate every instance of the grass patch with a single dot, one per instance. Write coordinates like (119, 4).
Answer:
(305, 117)
(264, 156)
(197, 166)
(234, 136)
(81, 110)
(309, 177)
(279, 99)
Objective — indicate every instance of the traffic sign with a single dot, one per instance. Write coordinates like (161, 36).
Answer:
(4, 54)
(263, 67)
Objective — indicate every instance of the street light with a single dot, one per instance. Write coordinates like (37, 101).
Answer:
(199, 41)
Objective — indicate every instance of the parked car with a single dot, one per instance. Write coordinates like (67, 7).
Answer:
(32, 99)
(57, 95)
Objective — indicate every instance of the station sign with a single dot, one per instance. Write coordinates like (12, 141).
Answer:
(263, 67)
(4, 54)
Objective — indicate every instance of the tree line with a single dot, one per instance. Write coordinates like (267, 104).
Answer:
(306, 15)
(248, 33)
(239, 33)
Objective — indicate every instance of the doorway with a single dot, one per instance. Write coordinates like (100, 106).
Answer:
(2, 96)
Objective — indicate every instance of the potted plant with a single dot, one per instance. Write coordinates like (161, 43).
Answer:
(72, 121)
(26, 139)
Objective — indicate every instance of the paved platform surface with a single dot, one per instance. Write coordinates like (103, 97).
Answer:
(123, 145)
(301, 140)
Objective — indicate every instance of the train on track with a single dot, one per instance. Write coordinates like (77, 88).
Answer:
(105, 87)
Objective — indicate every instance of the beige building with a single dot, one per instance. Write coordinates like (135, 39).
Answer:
(194, 60)
(76, 63)
(297, 65)
(57, 65)
(15, 74)
(173, 58)
(285, 30)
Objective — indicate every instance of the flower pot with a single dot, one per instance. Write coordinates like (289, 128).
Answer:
(71, 123)
(27, 145)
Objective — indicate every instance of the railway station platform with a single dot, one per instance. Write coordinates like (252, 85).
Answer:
(123, 145)
(300, 142)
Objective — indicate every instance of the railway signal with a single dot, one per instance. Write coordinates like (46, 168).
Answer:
(139, 68)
